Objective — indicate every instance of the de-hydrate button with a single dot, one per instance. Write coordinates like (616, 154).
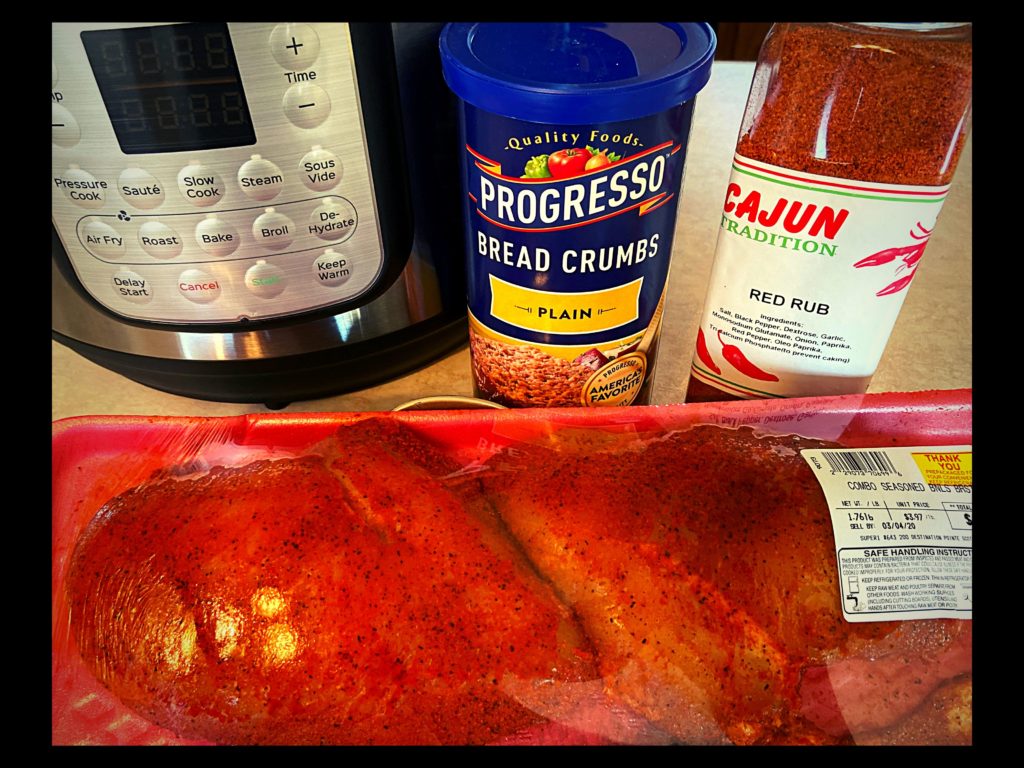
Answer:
(265, 280)
(320, 168)
(260, 179)
(216, 236)
(132, 287)
(103, 240)
(199, 185)
(331, 268)
(159, 240)
(334, 219)
(273, 230)
(140, 188)
(198, 286)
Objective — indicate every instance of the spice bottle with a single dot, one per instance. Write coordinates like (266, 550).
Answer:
(846, 151)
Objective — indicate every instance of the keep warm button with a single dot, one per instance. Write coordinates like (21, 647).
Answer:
(335, 220)
(198, 286)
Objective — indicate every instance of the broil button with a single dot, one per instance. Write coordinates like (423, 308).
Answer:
(273, 230)
(199, 286)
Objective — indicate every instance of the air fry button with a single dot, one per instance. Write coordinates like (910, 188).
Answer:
(334, 220)
(200, 185)
(198, 286)
(102, 240)
(332, 269)
(132, 287)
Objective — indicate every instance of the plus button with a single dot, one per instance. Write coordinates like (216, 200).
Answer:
(294, 46)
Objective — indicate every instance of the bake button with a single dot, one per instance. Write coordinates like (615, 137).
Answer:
(103, 240)
(81, 187)
(198, 286)
(159, 240)
(273, 230)
(132, 287)
(64, 131)
(138, 187)
(265, 280)
(334, 219)
(294, 46)
(199, 185)
(320, 169)
(331, 268)
(216, 236)
(260, 179)
(306, 105)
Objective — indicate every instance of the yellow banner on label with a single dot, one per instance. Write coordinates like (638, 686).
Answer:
(943, 468)
(551, 312)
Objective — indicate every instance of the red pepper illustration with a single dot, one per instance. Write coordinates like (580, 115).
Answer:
(704, 354)
(735, 357)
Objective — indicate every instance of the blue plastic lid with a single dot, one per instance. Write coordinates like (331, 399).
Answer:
(572, 73)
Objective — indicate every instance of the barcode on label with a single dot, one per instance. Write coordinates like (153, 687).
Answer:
(859, 462)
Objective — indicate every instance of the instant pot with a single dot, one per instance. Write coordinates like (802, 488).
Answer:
(254, 212)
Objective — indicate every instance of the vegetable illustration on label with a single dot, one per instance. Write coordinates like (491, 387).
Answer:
(568, 162)
(704, 354)
(735, 357)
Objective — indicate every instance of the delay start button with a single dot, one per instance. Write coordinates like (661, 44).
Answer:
(198, 286)
(132, 287)
(199, 185)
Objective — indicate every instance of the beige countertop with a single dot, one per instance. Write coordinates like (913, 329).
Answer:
(930, 347)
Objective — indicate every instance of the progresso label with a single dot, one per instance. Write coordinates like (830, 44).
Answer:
(569, 237)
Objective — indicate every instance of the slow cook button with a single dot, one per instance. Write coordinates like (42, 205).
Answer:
(216, 236)
(199, 185)
(273, 230)
(81, 187)
(103, 240)
(265, 280)
(306, 105)
(334, 219)
(320, 168)
(159, 240)
(64, 130)
(132, 287)
(138, 187)
(260, 179)
(198, 286)
(331, 268)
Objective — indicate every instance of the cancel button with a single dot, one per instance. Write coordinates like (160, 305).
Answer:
(198, 286)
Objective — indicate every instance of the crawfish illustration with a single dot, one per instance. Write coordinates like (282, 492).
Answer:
(910, 255)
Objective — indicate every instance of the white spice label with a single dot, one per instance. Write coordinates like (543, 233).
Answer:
(902, 519)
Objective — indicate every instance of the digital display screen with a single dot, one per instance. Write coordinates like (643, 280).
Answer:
(171, 88)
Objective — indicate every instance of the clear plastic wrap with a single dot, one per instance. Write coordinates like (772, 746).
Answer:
(616, 691)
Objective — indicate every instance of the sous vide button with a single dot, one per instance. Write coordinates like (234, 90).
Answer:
(320, 169)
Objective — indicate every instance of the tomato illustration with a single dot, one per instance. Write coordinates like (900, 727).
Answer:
(568, 162)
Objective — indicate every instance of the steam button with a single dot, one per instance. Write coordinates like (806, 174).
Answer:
(102, 240)
(260, 179)
(64, 130)
(265, 280)
(216, 236)
(306, 105)
(132, 287)
(200, 185)
(198, 286)
(294, 46)
(320, 169)
(138, 187)
(159, 240)
(273, 230)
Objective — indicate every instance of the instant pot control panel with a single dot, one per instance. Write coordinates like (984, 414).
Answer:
(212, 172)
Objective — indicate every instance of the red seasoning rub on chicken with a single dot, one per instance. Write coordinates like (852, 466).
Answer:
(344, 598)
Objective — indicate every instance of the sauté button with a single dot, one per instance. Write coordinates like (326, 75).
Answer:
(199, 185)
(334, 219)
(102, 240)
(306, 105)
(320, 169)
(273, 230)
(331, 268)
(294, 46)
(159, 240)
(64, 130)
(82, 188)
(216, 236)
(132, 287)
(198, 286)
(138, 187)
(260, 179)
(265, 280)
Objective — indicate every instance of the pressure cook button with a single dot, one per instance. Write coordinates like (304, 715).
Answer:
(265, 280)
(159, 240)
(132, 287)
(273, 230)
(198, 286)
(294, 46)
(81, 187)
(103, 240)
(260, 179)
(140, 188)
(331, 268)
(199, 185)
(306, 105)
(216, 236)
(320, 169)
(64, 130)
(334, 219)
